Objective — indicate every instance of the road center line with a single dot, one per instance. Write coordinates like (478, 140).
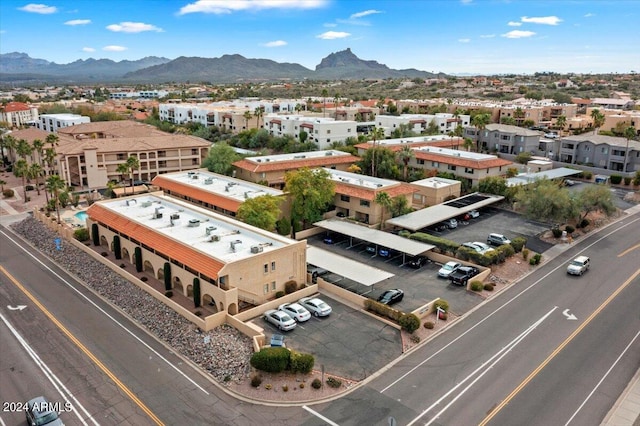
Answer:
(553, 354)
(629, 250)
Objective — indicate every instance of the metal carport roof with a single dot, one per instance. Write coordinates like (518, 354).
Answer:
(374, 236)
(343, 266)
(440, 212)
(527, 178)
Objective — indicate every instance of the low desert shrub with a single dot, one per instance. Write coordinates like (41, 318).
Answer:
(570, 229)
(616, 179)
(256, 380)
(285, 388)
(169, 294)
(525, 254)
(476, 286)
(81, 234)
(415, 338)
(144, 279)
(301, 363)
(8, 193)
(557, 232)
(409, 322)
(442, 304)
(584, 223)
(627, 180)
(290, 286)
(316, 384)
(268, 386)
(518, 244)
(429, 325)
(334, 383)
(272, 360)
(301, 385)
(279, 294)
(488, 287)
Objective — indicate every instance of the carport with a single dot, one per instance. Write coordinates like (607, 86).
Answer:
(379, 238)
(527, 178)
(441, 212)
(358, 272)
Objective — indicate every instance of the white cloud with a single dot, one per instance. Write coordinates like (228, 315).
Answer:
(220, 7)
(42, 9)
(589, 15)
(514, 24)
(88, 49)
(545, 20)
(113, 48)
(487, 36)
(332, 35)
(464, 40)
(276, 43)
(518, 34)
(364, 13)
(78, 22)
(133, 27)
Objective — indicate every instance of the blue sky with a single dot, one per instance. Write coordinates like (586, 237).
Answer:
(452, 36)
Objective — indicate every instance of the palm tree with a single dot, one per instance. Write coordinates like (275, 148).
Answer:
(377, 133)
(54, 185)
(480, 121)
(21, 170)
(629, 133)
(9, 142)
(34, 172)
(325, 93)
(52, 139)
(129, 167)
(49, 158)
(467, 144)
(247, 116)
(23, 148)
(258, 113)
(561, 121)
(405, 155)
(38, 147)
(336, 100)
(598, 119)
(384, 201)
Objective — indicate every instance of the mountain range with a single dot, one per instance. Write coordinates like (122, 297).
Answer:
(20, 68)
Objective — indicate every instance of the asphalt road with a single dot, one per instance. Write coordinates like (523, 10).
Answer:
(520, 358)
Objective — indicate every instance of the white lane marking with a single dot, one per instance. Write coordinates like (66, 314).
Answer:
(603, 378)
(55, 381)
(320, 416)
(106, 314)
(483, 369)
(498, 309)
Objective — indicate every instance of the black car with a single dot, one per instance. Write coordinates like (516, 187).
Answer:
(463, 274)
(418, 262)
(390, 297)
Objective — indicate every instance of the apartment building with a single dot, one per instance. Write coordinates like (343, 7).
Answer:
(89, 154)
(323, 131)
(223, 260)
(419, 123)
(621, 118)
(507, 139)
(28, 134)
(220, 193)
(18, 114)
(434, 190)
(607, 152)
(54, 122)
(395, 145)
(612, 103)
(139, 94)
(270, 169)
(356, 193)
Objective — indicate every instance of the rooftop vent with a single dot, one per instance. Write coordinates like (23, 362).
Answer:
(208, 181)
(329, 153)
(257, 249)
(214, 238)
(157, 214)
(145, 204)
(194, 223)
(174, 216)
(132, 202)
(233, 244)
(210, 229)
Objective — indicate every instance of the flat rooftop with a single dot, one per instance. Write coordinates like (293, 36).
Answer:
(415, 139)
(363, 181)
(226, 186)
(435, 182)
(455, 153)
(218, 236)
(296, 156)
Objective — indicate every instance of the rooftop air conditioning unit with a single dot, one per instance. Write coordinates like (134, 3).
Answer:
(233, 244)
(328, 153)
(194, 223)
(145, 204)
(208, 181)
(210, 229)
(157, 214)
(132, 201)
(174, 216)
(257, 249)
(214, 238)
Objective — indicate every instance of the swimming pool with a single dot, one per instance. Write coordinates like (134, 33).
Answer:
(82, 216)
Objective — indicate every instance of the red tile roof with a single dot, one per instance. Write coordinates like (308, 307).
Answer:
(196, 193)
(16, 106)
(324, 161)
(184, 254)
(448, 143)
(462, 162)
(370, 193)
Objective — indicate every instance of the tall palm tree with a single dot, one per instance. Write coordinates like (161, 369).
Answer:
(561, 121)
(480, 121)
(325, 93)
(54, 185)
(377, 133)
(384, 201)
(598, 119)
(9, 142)
(34, 172)
(336, 100)
(23, 149)
(129, 167)
(247, 116)
(258, 113)
(21, 170)
(467, 144)
(49, 159)
(123, 169)
(629, 133)
(38, 147)
(405, 155)
(52, 139)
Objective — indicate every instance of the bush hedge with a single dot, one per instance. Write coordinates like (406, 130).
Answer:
(81, 234)
(381, 309)
(627, 180)
(334, 383)
(557, 232)
(570, 229)
(256, 380)
(442, 304)
(316, 383)
(272, 360)
(429, 325)
(409, 322)
(476, 286)
(290, 286)
(518, 243)
(583, 223)
(616, 179)
(488, 287)
(8, 193)
(301, 363)
(444, 245)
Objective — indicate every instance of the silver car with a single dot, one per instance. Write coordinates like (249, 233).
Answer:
(295, 311)
(316, 306)
(280, 319)
(448, 268)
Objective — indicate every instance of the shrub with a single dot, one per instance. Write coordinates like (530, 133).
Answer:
(268, 386)
(587, 175)
(616, 179)
(256, 380)
(409, 322)
(406, 234)
(518, 244)
(301, 363)
(584, 223)
(506, 250)
(301, 385)
(525, 254)
(532, 261)
(627, 180)
(442, 304)
(334, 383)
(285, 388)
(476, 286)
(283, 225)
(104, 254)
(272, 360)
(290, 286)
(279, 294)
(227, 378)
(446, 246)
(636, 178)
(415, 338)
(383, 310)
(144, 279)
(429, 325)
(81, 234)
(537, 258)
(8, 193)
(557, 232)
(316, 384)
(570, 229)
(122, 265)
(488, 287)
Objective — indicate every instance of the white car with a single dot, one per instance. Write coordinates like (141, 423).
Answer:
(280, 319)
(295, 311)
(316, 306)
(474, 213)
(448, 268)
(484, 248)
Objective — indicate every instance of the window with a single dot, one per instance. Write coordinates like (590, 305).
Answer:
(345, 198)
(194, 151)
(451, 167)
(435, 164)
(162, 154)
(468, 170)
(420, 162)
(162, 164)
(120, 157)
(266, 268)
(273, 266)
(194, 161)
(273, 286)
(365, 203)
(505, 137)
(605, 150)
(265, 289)
(328, 131)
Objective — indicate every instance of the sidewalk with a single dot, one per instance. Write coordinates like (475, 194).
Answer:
(626, 410)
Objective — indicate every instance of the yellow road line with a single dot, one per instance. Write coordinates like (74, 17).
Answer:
(629, 250)
(83, 348)
(535, 372)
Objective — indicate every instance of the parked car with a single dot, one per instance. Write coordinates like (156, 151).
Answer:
(277, 341)
(295, 311)
(318, 271)
(280, 319)
(479, 247)
(418, 262)
(390, 297)
(451, 223)
(385, 252)
(40, 412)
(579, 265)
(474, 214)
(316, 306)
(473, 247)
(462, 275)
(569, 182)
(497, 239)
(371, 249)
(328, 240)
(448, 268)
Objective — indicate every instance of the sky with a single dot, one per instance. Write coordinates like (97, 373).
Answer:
(450, 36)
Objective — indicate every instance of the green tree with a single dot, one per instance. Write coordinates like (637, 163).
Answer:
(384, 201)
(596, 198)
(220, 159)
(376, 134)
(561, 121)
(129, 167)
(629, 133)
(23, 149)
(21, 170)
(523, 157)
(496, 185)
(35, 172)
(247, 116)
(598, 118)
(480, 122)
(468, 144)
(258, 113)
(400, 206)
(311, 190)
(55, 186)
(260, 211)
(325, 93)
(432, 128)
(510, 121)
(544, 200)
(382, 160)
(405, 155)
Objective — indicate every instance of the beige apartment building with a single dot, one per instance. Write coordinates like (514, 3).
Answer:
(434, 190)
(269, 170)
(228, 261)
